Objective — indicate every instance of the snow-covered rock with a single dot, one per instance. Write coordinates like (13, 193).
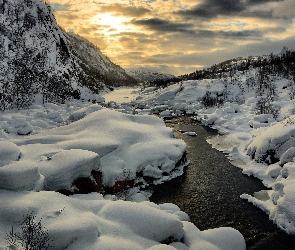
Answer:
(62, 168)
(8, 152)
(122, 141)
(18, 175)
(81, 113)
(270, 146)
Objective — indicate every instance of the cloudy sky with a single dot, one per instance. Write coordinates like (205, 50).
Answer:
(180, 36)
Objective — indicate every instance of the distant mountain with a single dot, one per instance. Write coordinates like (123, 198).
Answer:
(146, 75)
(282, 64)
(96, 65)
(38, 57)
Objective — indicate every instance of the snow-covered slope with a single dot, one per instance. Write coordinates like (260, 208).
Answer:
(34, 55)
(38, 57)
(146, 75)
(92, 60)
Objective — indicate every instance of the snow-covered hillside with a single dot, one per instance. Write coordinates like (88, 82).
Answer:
(34, 55)
(38, 57)
(146, 75)
(91, 59)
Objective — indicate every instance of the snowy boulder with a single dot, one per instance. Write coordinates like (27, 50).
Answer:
(19, 126)
(151, 171)
(282, 210)
(55, 116)
(122, 141)
(168, 165)
(191, 133)
(143, 220)
(159, 109)
(274, 170)
(166, 114)
(81, 113)
(288, 156)
(99, 99)
(64, 167)
(90, 222)
(274, 142)
(213, 239)
(8, 152)
(211, 119)
(19, 176)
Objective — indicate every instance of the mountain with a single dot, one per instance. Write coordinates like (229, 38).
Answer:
(96, 65)
(147, 75)
(38, 57)
(34, 55)
(281, 64)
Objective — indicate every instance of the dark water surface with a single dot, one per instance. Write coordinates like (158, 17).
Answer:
(209, 192)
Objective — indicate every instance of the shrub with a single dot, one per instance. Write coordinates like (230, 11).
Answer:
(32, 235)
(209, 100)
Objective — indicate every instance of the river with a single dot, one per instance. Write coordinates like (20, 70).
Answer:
(209, 192)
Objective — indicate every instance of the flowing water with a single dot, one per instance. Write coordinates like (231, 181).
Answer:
(209, 192)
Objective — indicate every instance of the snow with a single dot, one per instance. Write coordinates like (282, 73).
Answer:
(90, 222)
(89, 137)
(261, 144)
(9, 152)
(64, 167)
(19, 176)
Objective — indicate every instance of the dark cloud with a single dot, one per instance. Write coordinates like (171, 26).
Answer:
(164, 25)
(210, 9)
(244, 34)
(125, 10)
(262, 1)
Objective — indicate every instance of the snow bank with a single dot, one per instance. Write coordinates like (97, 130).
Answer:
(273, 143)
(213, 239)
(98, 139)
(122, 142)
(85, 222)
(8, 152)
(81, 113)
(22, 175)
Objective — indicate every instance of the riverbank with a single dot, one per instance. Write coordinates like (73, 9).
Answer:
(209, 192)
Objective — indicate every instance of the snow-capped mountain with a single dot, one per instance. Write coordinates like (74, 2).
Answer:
(38, 57)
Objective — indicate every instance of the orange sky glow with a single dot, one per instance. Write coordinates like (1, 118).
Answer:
(179, 36)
